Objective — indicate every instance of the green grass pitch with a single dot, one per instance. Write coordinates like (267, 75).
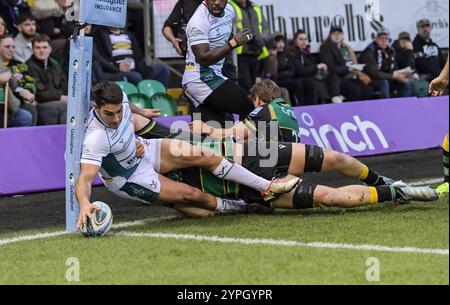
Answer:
(118, 259)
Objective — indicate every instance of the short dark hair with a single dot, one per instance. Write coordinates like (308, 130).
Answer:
(3, 37)
(107, 93)
(41, 38)
(24, 17)
(266, 90)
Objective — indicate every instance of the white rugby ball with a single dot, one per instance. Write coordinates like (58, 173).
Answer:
(100, 223)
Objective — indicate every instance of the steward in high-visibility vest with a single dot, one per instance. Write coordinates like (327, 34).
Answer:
(252, 17)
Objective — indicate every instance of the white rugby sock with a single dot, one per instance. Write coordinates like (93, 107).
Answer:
(228, 205)
(237, 173)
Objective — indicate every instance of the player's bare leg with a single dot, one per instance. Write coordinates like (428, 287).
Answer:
(308, 195)
(325, 160)
(180, 193)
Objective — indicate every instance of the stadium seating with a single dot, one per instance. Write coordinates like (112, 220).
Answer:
(127, 87)
(140, 100)
(165, 103)
(151, 87)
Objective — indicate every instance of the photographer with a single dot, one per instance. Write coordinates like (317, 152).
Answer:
(175, 26)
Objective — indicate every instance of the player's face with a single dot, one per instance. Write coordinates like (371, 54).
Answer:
(217, 7)
(111, 114)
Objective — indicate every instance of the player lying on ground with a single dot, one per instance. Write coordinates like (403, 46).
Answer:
(437, 88)
(294, 159)
(109, 148)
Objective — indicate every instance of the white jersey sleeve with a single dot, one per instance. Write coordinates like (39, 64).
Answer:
(95, 147)
(198, 29)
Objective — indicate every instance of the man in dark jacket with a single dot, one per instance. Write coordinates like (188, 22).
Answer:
(51, 83)
(381, 63)
(429, 58)
(174, 29)
(406, 58)
(121, 57)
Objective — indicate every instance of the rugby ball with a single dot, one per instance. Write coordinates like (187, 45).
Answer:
(100, 223)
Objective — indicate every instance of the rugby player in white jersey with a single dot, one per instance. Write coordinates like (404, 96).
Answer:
(109, 148)
(210, 40)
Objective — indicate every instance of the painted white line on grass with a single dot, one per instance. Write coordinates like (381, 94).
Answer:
(143, 222)
(285, 243)
(122, 225)
(30, 237)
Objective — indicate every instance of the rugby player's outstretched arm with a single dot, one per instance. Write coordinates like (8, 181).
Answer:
(206, 56)
(239, 131)
(83, 189)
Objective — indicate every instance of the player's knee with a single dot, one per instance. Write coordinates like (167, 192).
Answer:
(335, 159)
(193, 194)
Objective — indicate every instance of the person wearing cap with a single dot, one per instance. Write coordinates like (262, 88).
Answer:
(381, 62)
(341, 86)
(429, 58)
(405, 58)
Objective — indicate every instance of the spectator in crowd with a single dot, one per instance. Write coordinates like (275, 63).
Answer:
(49, 17)
(135, 20)
(3, 30)
(26, 24)
(51, 83)
(344, 83)
(380, 61)
(302, 91)
(360, 80)
(307, 65)
(24, 85)
(429, 58)
(18, 116)
(404, 50)
(121, 57)
(249, 16)
(9, 10)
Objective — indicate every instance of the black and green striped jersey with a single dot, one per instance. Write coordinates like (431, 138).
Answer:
(280, 116)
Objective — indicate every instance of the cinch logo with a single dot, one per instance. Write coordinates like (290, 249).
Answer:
(358, 128)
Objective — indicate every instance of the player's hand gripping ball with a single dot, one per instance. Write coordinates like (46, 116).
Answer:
(100, 223)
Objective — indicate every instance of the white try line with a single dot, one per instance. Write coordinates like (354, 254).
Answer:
(122, 225)
(285, 243)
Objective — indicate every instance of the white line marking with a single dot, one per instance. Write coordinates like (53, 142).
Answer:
(286, 243)
(143, 222)
(122, 225)
(30, 237)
